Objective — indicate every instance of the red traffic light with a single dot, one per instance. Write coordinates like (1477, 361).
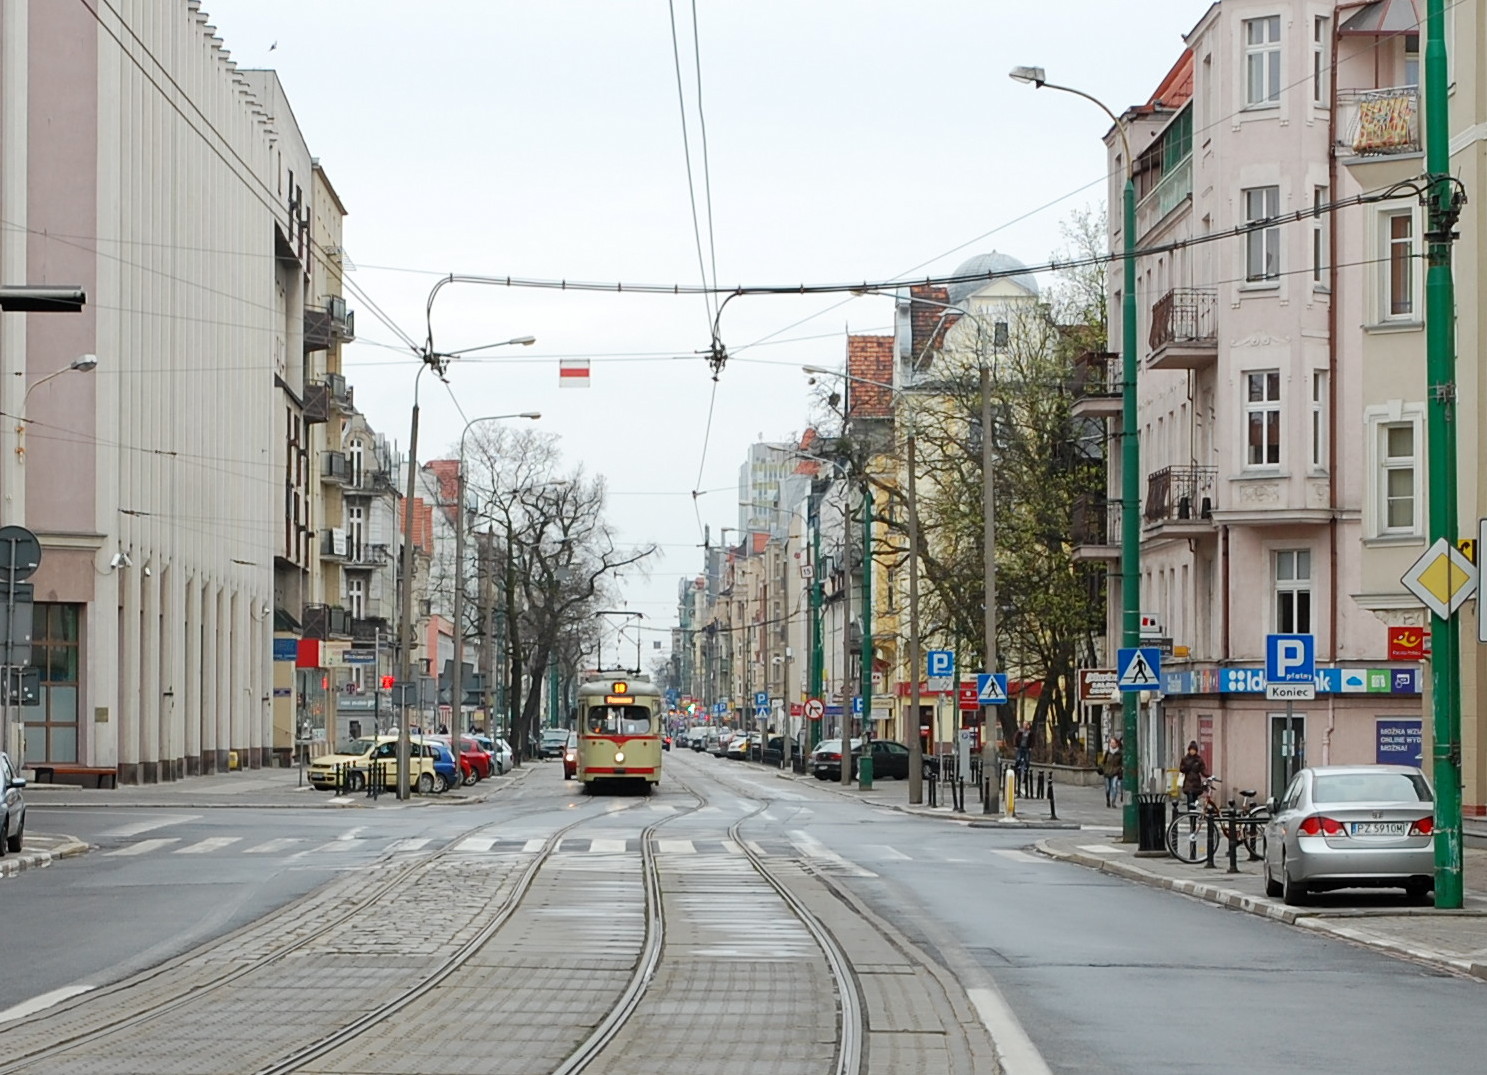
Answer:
(387, 683)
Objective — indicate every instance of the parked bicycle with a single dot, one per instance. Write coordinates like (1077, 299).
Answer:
(1206, 829)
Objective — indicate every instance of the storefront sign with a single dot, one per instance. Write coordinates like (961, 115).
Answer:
(1096, 684)
(1408, 643)
(1399, 741)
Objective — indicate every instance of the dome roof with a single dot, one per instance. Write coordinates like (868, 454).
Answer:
(991, 262)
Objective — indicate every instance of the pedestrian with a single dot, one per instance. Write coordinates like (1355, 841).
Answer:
(1113, 769)
(1194, 772)
(1022, 741)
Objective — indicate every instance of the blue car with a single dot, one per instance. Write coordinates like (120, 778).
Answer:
(445, 767)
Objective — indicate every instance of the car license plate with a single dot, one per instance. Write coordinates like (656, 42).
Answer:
(1379, 828)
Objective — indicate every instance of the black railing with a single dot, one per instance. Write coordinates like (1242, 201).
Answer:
(1095, 521)
(1180, 494)
(1097, 375)
(1184, 315)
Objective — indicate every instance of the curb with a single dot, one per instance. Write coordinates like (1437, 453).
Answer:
(1303, 918)
(70, 847)
(971, 820)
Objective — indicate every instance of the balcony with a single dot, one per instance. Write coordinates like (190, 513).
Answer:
(326, 621)
(1095, 528)
(1179, 500)
(362, 555)
(1378, 123)
(342, 320)
(334, 546)
(1184, 332)
(370, 482)
(334, 468)
(339, 393)
(1175, 188)
(1097, 385)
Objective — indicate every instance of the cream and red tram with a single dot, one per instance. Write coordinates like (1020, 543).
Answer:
(619, 732)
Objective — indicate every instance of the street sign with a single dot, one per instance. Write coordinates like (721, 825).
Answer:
(991, 688)
(359, 656)
(20, 552)
(761, 699)
(1442, 578)
(807, 571)
(815, 709)
(1096, 684)
(761, 714)
(857, 705)
(1140, 668)
(1290, 659)
(1290, 692)
(966, 698)
(405, 693)
(939, 684)
(941, 663)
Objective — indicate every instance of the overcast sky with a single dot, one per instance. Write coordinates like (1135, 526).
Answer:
(847, 140)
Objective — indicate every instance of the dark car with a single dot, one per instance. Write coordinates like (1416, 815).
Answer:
(570, 757)
(12, 807)
(890, 759)
(826, 760)
(774, 747)
(553, 743)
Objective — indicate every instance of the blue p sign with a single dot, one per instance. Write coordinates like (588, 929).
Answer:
(941, 663)
(1290, 659)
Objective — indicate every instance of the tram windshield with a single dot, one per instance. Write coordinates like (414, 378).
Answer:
(619, 720)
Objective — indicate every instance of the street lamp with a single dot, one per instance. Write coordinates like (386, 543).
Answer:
(1130, 459)
(83, 364)
(457, 676)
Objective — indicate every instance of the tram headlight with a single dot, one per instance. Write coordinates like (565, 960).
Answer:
(619, 756)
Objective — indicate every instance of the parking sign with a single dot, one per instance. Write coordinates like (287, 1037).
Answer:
(1290, 659)
(941, 663)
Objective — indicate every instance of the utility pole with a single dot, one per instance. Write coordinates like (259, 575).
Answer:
(818, 651)
(846, 630)
(1444, 207)
(916, 657)
(867, 613)
(988, 551)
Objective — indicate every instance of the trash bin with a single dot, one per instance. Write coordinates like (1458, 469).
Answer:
(865, 771)
(1151, 820)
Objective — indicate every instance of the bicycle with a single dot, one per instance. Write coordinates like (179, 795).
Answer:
(1191, 841)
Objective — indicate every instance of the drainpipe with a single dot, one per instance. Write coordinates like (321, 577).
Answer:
(1224, 597)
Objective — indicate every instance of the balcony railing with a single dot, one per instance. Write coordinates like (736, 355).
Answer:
(1097, 376)
(1180, 494)
(1378, 122)
(1185, 317)
(334, 545)
(326, 621)
(334, 467)
(1095, 521)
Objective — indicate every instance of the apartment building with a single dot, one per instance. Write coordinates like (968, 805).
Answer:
(1251, 396)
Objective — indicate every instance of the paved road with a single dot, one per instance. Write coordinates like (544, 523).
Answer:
(1070, 969)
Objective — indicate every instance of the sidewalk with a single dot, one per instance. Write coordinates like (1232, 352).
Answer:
(1087, 833)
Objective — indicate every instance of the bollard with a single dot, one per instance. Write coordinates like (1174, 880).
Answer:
(933, 784)
(1009, 807)
(1232, 814)
(1052, 807)
(1040, 784)
(1213, 840)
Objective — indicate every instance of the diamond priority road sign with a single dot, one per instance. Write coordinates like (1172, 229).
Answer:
(1443, 578)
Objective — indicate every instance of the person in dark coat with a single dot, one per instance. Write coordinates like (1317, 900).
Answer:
(1194, 773)
(1113, 770)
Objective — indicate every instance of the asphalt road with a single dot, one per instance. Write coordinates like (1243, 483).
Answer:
(1099, 974)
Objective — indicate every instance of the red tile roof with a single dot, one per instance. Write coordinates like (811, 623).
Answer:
(870, 376)
(446, 476)
(929, 320)
(808, 467)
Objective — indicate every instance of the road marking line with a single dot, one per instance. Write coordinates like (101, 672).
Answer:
(42, 1002)
(732, 848)
(145, 846)
(811, 847)
(607, 847)
(272, 845)
(411, 843)
(675, 847)
(139, 827)
(214, 843)
(475, 843)
(1018, 1054)
(883, 851)
(1016, 856)
(538, 845)
(754, 847)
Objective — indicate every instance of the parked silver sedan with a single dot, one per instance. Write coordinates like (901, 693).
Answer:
(1348, 826)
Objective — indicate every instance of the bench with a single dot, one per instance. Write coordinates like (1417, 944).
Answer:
(48, 774)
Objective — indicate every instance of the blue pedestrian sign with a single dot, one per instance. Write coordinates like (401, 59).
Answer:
(1139, 669)
(941, 663)
(761, 714)
(857, 705)
(1290, 659)
(991, 688)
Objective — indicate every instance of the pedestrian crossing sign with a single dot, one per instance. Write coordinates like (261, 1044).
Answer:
(1140, 669)
(991, 688)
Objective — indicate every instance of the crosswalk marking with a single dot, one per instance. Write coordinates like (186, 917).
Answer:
(271, 846)
(537, 845)
(608, 847)
(475, 844)
(813, 848)
(213, 843)
(675, 847)
(732, 848)
(412, 843)
(146, 845)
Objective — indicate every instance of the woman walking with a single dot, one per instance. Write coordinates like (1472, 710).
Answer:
(1113, 769)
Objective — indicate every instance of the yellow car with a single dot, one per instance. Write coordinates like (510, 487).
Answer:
(360, 755)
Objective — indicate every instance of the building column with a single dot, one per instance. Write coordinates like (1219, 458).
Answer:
(190, 689)
(129, 709)
(173, 675)
(150, 701)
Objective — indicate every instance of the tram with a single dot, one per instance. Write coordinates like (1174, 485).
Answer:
(618, 719)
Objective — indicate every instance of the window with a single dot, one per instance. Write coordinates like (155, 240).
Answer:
(1399, 478)
(1262, 244)
(1293, 591)
(1262, 418)
(1412, 59)
(1318, 419)
(1262, 61)
(51, 725)
(1398, 265)
(356, 596)
(1319, 41)
(355, 532)
(354, 451)
(1318, 235)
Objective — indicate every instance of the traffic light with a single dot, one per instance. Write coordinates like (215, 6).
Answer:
(386, 683)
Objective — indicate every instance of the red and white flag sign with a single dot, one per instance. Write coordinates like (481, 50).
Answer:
(573, 373)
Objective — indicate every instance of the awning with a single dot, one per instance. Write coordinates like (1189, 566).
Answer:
(1384, 17)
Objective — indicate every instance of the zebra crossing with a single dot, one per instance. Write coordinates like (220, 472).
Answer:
(796, 844)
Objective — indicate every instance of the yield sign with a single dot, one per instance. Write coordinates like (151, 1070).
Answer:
(1442, 578)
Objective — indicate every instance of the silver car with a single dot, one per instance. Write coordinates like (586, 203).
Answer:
(1349, 826)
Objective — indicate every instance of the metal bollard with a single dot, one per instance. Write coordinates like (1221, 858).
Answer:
(1052, 807)
(1213, 840)
(1233, 838)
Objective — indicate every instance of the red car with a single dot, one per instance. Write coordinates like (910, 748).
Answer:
(476, 763)
(570, 757)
